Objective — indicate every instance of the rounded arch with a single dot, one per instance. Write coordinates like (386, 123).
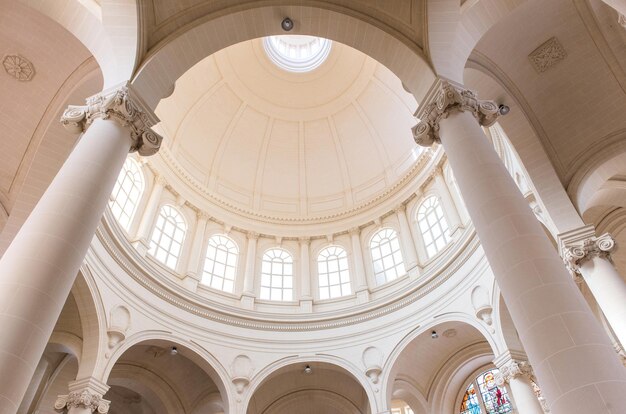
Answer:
(473, 334)
(189, 349)
(92, 319)
(275, 368)
(215, 32)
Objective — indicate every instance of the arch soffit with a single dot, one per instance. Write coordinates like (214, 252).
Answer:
(197, 354)
(390, 368)
(269, 371)
(92, 319)
(111, 37)
(156, 77)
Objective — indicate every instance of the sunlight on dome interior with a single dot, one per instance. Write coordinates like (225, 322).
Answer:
(297, 53)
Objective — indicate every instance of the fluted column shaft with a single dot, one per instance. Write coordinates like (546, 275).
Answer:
(39, 267)
(591, 258)
(248, 281)
(410, 254)
(142, 242)
(571, 355)
(359, 266)
(197, 247)
(305, 270)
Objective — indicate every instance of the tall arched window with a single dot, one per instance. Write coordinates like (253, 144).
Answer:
(220, 263)
(168, 236)
(126, 193)
(483, 396)
(433, 225)
(332, 269)
(277, 275)
(386, 255)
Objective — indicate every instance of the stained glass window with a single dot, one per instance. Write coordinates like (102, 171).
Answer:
(386, 256)
(126, 193)
(220, 263)
(433, 225)
(168, 236)
(332, 269)
(277, 275)
(483, 396)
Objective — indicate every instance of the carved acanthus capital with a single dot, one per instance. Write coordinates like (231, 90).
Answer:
(444, 98)
(252, 235)
(513, 369)
(126, 107)
(576, 254)
(82, 399)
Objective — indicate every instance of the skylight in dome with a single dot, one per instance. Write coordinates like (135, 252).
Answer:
(297, 53)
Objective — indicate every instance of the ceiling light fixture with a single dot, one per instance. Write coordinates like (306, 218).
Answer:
(173, 351)
(434, 335)
(503, 109)
(287, 24)
(308, 370)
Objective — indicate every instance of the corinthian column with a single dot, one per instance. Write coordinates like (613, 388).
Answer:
(247, 297)
(85, 397)
(518, 375)
(591, 257)
(571, 355)
(40, 266)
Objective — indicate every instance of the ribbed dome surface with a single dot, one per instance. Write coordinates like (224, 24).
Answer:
(292, 145)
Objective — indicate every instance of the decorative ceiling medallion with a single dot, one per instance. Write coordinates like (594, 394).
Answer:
(547, 55)
(19, 67)
(297, 53)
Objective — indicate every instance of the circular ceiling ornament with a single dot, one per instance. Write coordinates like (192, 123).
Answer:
(297, 53)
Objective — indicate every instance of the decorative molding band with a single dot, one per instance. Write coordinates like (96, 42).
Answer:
(172, 293)
(419, 165)
(548, 54)
(575, 255)
(443, 98)
(19, 67)
(125, 106)
(82, 399)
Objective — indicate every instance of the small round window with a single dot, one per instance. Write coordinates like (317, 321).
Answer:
(297, 53)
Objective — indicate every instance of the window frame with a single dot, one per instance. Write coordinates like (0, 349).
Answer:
(114, 199)
(270, 287)
(211, 275)
(398, 267)
(168, 253)
(428, 237)
(342, 284)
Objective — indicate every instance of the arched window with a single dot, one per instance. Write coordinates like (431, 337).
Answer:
(277, 275)
(126, 193)
(168, 236)
(332, 269)
(433, 225)
(483, 396)
(386, 255)
(220, 263)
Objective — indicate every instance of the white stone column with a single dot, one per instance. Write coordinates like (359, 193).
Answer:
(306, 298)
(85, 397)
(39, 267)
(196, 253)
(571, 355)
(518, 375)
(248, 295)
(410, 252)
(142, 238)
(360, 279)
(591, 258)
(452, 214)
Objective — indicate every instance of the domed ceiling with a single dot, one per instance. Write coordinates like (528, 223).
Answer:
(264, 141)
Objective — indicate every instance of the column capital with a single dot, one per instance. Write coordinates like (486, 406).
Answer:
(354, 231)
(512, 369)
(444, 97)
(577, 253)
(304, 240)
(252, 235)
(86, 393)
(400, 208)
(123, 104)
